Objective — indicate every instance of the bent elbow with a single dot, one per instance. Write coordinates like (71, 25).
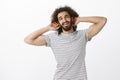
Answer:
(28, 41)
(104, 19)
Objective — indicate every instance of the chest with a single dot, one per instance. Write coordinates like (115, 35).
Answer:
(68, 44)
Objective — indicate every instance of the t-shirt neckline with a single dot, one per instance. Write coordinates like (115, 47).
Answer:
(68, 34)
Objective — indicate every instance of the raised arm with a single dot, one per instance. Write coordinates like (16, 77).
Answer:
(96, 27)
(37, 38)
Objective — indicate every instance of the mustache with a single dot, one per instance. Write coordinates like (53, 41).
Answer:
(65, 22)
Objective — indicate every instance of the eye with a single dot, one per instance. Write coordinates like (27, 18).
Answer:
(60, 18)
(67, 16)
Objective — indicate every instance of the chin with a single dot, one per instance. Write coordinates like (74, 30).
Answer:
(67, 29)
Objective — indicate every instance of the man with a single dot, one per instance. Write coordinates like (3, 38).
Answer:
(67, 43)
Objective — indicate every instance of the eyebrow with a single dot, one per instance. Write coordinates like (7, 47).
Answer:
(61, 16)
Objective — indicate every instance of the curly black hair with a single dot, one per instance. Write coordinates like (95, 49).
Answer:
(68, 9)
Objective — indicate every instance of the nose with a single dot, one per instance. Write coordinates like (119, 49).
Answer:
(64, 20)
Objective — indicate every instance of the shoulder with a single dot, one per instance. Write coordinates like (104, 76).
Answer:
(52, 34)
(83, 31)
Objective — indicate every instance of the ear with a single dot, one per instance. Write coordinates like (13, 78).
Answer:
(58, 23)
(73, 21)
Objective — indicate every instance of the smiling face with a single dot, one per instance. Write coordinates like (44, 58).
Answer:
(64, 20)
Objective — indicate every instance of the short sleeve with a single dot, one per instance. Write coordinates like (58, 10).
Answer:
(85, 31)
(47, 38)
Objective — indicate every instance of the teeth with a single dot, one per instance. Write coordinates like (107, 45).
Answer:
(65, 23)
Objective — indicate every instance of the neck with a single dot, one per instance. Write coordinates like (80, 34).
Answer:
(70, 31)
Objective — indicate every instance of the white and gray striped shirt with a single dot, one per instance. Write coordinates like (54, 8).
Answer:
(69, 50)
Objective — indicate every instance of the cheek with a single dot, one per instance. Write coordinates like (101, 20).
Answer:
(60, 22)
(69, 20)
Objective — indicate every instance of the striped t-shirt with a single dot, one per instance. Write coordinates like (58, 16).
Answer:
(69, 51)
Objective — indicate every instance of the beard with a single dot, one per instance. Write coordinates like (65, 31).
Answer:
(68, 27)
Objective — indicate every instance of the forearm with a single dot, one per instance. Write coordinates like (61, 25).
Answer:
(96, 27)
(92, 19)
(37, 33)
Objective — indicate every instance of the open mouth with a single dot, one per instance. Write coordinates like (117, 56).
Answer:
(65, 23)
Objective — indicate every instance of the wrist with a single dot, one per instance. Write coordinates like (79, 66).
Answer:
(82, 19)
(48, 27)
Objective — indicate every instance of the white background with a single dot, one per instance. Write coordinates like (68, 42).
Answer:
(20, 61)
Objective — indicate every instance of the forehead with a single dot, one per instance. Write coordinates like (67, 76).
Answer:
(63, 13)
